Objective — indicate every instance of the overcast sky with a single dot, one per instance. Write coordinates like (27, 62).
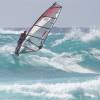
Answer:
(22, 13)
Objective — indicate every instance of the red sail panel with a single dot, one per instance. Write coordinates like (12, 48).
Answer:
(52, 10)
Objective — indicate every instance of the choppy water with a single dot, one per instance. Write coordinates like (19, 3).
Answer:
(67, 68)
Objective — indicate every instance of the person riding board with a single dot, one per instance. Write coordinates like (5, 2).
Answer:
(20, 41)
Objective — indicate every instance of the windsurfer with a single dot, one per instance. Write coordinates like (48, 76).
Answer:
(20, 41)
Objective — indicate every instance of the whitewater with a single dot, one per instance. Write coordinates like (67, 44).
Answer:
(66, 68)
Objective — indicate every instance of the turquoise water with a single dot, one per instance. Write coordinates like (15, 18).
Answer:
(67, 68)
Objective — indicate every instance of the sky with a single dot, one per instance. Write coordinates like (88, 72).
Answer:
(75, 13)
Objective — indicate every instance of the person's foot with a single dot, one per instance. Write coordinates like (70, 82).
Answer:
(17, 54)
(40, 47)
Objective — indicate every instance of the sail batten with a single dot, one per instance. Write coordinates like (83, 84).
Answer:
(42, 26)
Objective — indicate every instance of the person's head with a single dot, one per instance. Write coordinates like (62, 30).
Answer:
(24, 31)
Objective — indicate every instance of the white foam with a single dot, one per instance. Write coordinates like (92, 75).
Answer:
(7, 49)
(96, 53)
(58, 42)
(46, 51)
(37, 89)
(90, 95)
(56, 90)
(65, 61)
(69, 63)
(76, 34)
(94, 34)
(3, 31)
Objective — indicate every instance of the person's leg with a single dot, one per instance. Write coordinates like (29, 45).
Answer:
(17, 49)
(18, 46)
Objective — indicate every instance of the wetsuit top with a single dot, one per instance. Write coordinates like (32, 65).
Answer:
(22, 37)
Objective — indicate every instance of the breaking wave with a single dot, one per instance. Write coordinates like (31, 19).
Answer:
(70, 91)
(63, 60)
(66, 68)
(96, 53)
(79, 34)
(10, 31)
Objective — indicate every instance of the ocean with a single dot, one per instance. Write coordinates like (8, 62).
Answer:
(66, 68)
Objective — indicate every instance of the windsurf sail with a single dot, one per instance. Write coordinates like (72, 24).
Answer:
(37, 34)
